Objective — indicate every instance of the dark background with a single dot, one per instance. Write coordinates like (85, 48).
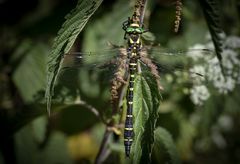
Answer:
(207, 134)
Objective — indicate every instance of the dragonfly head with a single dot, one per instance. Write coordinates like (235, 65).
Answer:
(134, 29)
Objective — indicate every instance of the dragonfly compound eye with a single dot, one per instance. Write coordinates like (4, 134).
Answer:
(130, 30)
(139, 30)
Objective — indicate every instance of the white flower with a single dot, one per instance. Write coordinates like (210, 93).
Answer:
(210, 46)
(195, 52)
(210, 67)
(199, 94)
(198, 73)
(229, 58)
(232, 42)
(226, 85)
(238, 75)
(213, 70)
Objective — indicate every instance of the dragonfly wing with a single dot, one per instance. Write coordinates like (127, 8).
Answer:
(178, 60)
(192, 62)
(104, 63)
(92, 60)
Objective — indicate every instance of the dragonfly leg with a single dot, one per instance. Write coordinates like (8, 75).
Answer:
(115, 129)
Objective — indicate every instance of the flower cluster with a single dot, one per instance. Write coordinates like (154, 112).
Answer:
(211, 68)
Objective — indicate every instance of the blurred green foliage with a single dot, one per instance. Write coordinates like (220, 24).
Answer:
(73, 134)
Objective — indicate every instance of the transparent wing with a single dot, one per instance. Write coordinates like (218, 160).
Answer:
(92, 60)
(169, 61)
(185, 67)
(96, 66)
(181, 72)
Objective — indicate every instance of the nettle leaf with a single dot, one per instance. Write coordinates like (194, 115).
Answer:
(103, 30)
(164, 138)
(34, 57)
(211, 10)
(145, 106)
(75, 21)
(74, 119)
(65, 112)
(26, 141)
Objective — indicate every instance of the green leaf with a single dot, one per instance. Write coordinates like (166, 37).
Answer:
(29, 75)
(27, 145)
(211, 10)
(20, 52)
(75, 21)
(75, 118)
(146, 102)
(66, 113)
(105, 29)
(164, 138)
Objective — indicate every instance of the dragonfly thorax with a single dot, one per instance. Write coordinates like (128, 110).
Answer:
(134, 45)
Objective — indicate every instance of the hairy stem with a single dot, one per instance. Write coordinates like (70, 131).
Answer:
(139, 11)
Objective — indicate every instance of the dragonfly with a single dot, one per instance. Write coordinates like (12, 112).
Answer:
(123, 62)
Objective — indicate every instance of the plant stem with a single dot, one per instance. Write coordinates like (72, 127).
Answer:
(92, 109)
(140, 10)
(103, 151)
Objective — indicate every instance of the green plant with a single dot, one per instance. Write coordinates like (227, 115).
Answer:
(173, 129)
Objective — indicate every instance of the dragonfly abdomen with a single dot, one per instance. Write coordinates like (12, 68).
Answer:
(128, 131)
